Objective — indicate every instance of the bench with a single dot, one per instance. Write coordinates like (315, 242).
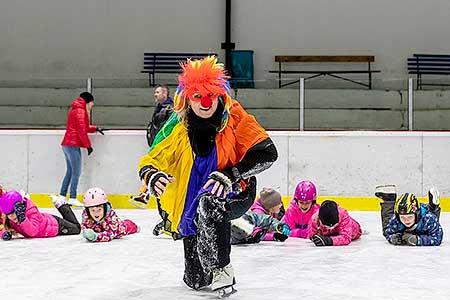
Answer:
(158, 62)
(280, 59)
(428, 64)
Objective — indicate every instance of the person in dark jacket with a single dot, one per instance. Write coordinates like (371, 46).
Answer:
(75, 138)
(162, 112)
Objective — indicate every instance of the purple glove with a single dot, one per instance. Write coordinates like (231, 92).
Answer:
(20, 209)
(6, 236)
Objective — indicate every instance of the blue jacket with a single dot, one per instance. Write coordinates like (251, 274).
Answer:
(428, 230)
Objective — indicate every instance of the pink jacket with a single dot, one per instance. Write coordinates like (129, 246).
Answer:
(111, 227)
(346, 231)
(36, 224)
(259, 209)
(298, 220)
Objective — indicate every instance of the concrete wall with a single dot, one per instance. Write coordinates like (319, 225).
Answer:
(57, 43)
(275, 109)
(341, 163)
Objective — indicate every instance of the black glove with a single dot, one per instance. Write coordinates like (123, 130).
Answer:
(396, 239)
(101, 130)
(320, 240)
(155, 178)
(89, 150)
(410, 239)
(256, 236)
(279, 237)
(6, 236)
(20, 208)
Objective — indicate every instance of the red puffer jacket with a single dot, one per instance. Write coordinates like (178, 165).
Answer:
(78, 126)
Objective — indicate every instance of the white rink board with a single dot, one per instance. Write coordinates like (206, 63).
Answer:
(341, 163)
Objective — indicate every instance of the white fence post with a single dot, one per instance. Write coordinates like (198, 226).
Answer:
(302, 105)
(89, 85)
(410, 104)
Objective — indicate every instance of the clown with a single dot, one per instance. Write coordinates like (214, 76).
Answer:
(200, 168)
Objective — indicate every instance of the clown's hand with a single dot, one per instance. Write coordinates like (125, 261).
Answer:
(222, 185)
(158, 182)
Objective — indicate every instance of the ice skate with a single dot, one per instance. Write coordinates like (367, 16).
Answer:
(226, 292)
(75, 202)
(58, 200)
(159, 228)
(433, 198)
(140, 201)
(386, 192)
(223, 280)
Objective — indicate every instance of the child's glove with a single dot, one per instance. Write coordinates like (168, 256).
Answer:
(6, 236)
(278, 237)
(320, 240)
(20, 209)
(283, 228)
(410, 239)
(396, 239)
(90, 235)
(256, 236)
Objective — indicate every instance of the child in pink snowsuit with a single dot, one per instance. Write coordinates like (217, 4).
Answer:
(100, 222)
(19, 215)
(269, 203)
(332, 226)
(301, 208)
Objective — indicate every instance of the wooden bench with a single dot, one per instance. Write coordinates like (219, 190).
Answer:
(428, 64)
(280, 59)
(159, 62)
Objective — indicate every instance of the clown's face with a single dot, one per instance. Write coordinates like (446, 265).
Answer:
(204, 107)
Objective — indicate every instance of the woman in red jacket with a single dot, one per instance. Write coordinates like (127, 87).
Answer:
(76, 137)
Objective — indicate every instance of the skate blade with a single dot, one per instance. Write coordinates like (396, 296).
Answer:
(137, 204)
(226, 292)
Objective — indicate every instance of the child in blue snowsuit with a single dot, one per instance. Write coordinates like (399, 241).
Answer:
(406, 221)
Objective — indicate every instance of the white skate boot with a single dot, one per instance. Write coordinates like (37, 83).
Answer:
(58, 200)
(140, 201)
(75, 202)
(223, 280)
(433, 198)
(386, 192)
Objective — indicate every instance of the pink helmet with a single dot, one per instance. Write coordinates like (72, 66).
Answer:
(305, 191)
(8, 200)
(95, 196)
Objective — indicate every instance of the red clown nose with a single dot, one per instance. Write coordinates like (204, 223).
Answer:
(206, 101)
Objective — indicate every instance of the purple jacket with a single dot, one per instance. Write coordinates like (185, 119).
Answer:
(346, 231)
(298, 220)
(259, 209)
(111, 227)
(36, 224)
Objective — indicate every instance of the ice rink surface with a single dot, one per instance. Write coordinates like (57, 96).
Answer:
(143, 266)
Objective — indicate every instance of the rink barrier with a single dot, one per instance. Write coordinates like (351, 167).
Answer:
(349, 203)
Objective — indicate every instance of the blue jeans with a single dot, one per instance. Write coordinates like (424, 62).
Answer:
(73, 172)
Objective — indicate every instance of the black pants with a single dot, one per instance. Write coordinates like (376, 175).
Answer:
(68, 225)
(210, 248)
